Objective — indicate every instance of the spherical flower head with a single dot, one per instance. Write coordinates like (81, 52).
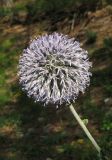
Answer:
(54, 69)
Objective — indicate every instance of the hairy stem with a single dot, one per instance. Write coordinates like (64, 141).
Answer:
(84, 128)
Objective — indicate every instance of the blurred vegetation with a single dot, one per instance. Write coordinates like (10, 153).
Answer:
(29, 131)
(91, 37)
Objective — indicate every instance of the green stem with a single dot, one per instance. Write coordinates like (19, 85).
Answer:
(84, 128)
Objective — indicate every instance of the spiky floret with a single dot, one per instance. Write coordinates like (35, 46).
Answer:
(54, 69)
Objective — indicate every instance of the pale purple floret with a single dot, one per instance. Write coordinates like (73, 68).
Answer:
(54, 69)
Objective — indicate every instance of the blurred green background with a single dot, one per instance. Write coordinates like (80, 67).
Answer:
(29, 131)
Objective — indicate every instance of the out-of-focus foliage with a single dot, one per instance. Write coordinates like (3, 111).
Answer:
(108, 1)
(29, 131)
(41, 7)
(108, 42)
(91, 37)
(107, 122)
(56, 6)
(38, 8)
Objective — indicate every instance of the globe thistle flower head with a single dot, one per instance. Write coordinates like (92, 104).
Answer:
(54, 69)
